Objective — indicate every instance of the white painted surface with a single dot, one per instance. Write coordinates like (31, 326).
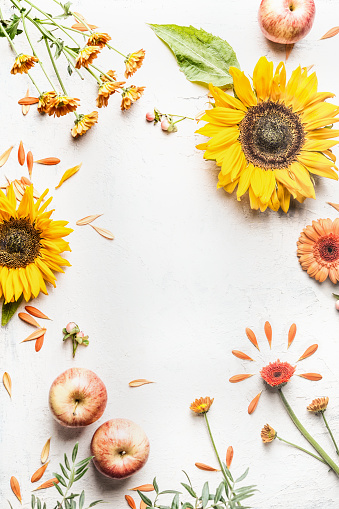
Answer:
(189, 269)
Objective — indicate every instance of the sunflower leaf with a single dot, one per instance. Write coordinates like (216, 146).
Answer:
(9, 310)
(202, 57)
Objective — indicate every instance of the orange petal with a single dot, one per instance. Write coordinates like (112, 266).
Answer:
(239, 378)
(291, 334)
(130, 501)
(254, 403)
(25, 107)
(229, 456)
(36, 312)
(16, 488)
(144, 487)
(241, 355)
(39, 473)
(315, 377)
(331, 33)
(28, 101)
(310, 351)
(39, 342)
(252, 338)
(30, 163)
(268, 332)
(49, 161)
(47, 484)
(35, 335)
(29, 319)
(202, 466)
(21, 154)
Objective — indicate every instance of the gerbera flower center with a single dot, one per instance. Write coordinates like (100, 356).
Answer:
(328, 248)
(19, 243)
(271, 135)
(277, 374)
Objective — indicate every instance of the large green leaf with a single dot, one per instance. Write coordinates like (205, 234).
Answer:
(9, 310)
(201, 56)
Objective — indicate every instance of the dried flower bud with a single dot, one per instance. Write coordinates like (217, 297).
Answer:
(165, 124)
(70, 326)
(150, 116)
(81, 338)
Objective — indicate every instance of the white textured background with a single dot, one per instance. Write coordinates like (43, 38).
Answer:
(189, 269)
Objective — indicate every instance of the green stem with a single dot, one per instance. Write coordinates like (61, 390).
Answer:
(330, 432)
(308, 437)
(302, 449)
(180, 119)
(217, 454)
(55, 67)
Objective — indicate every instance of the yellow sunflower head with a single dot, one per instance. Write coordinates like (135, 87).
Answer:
(269, 138)
(30, 245)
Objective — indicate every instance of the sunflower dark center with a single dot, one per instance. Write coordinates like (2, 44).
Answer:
(271, 135)
(19, 243)
(328, 248)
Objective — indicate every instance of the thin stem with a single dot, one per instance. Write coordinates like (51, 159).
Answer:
(216, 452)
(308, 437)
(55, 67)
(330, 432)
(180, 119)
(302, 449)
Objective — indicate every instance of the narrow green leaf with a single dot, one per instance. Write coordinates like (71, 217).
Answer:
(44, 506)
(82, 499)
(32, 501)
(9, 310)
(80, 475)
(75, 452)
(205, 495)
(60, 479)
(63, 470)
(242, 477)
(228, 473)
(189, 489)
(155, 485)
(218, 493)
(335, 295)
(10, 505)
(81, 468)
(84, 462)
(175, 502)
(169, 491)
(66, 462)
(95, 503)
(203, 57)
(67, 504)
(38, 503)
(144, 498)
(187, 505)
(59, 489)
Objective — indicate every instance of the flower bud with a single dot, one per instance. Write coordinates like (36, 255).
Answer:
(172, 128)
(70, 326)
(150, 116)
(165, 124)
(337, 305)
(79, 337)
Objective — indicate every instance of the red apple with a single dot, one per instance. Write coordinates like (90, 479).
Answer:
(286, 21)
(120, 448)
(77, 397)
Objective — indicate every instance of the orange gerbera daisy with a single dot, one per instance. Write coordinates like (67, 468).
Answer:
(201, 405)
(318, 405)
(268, 434)
(61, 105)
(98, 39)
(86, 56)
(23, 63)
(45, 101)
(318, 250)
(130, 95)
(106, 90)
(133, 62)
(83, 123)
(275, 374)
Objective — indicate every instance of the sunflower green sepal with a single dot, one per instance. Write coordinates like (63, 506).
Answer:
(9, 310)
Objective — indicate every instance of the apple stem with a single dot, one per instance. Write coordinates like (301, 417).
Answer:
(75, 406)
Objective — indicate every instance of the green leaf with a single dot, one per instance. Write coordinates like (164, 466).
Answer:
(66, 462)
(10, 505)
(9, 309)
(69, 69)
(44, 506)
(11, 26)
(155, 484)
(187, 505)
(75, 452)
(201, 56)
(205, 495)
(95, 503)
(218, 493)
(228, 473)
(38, 503)
(145, 499)
(82, 499)
(32, 501)
(60, 479)
(168, 491)
(84, 462)
(63, 470)
(335, 295)
(175, 502)
(59, 489)
(242, 477)
(189, 489)
(80, 475)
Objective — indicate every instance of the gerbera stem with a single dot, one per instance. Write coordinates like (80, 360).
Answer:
(308, 437)
(330, 432)
(302, 449)
(216, 452)
(55, 67)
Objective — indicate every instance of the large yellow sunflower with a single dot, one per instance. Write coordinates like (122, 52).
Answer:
(30, 245)
(269, 138)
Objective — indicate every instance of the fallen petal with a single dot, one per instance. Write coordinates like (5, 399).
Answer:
(16, 488)
(29, 319)
(202, 466)
(39, 473)
(139, 382)
(331, 33)
(87, 219)
(268, 332)
(241, 355)
(45, 451)
(104, 233)
(143, 487)
(239, 378)
(7, 383)
(254, 403)
(291, 334)
(229, 456)
(310, 351)
(130, 501)
(251, 336)
(315, 377)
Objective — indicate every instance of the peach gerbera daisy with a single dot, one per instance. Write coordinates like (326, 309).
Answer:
(106, 90)
(318, 250)
(61, 105)
(45, 101)
(86, 56)
(201, 405)
(23, 63)
(318, 405)
(130, 95)
(83, 123)
(268, 434)
(98, 39)
(133, 62)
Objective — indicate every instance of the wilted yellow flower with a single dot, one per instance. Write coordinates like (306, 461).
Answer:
(318, 405)
(268, 434)
(83, 123)
(61, 105)
(130, 95)
(106, 90)
(45, 101)
(86, 56)
(23, 63)
(133, 62)
(98, 39)
(201, 405)
(111, 74)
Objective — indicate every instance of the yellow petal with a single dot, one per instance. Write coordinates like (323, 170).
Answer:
(69, 173)
(243, 87)
(262, 78)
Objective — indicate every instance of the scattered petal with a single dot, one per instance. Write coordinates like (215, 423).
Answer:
(83, 28)
(291, 334)
(28, 319)
(5, 156)
(49, 161)
(139, 382)
(7, 383)
(288, 48)
(229, 456)
(69, 173)
(310, 351)
(39, 342)
(254, 403)
(28, 101)
(334, 205)
(25, 107)
(314, 377)
(45, 451)
(21, 154)
(202, 466)
(36, 312)
(130, 501)
(143, 505)
(39, 473)
(241, 355)
(30, 163)
(35, 335)
(47, 484)
(16, 488)
(104, 233)
(87, 219)
(144, 487)
(25, 180)
(331, 33)
(239, 378)
(80, 16)
(252, 338)
(268, 332)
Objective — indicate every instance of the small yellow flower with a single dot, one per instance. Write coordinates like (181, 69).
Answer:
(111, 74)
(133, 62)
(98, 39)
(268, 434)
(83, 123)
(61, 105)
(318, 405)
(201, 405)
(106, 90)
(23, 63)
(130, 95)
(45, 101)
(86, 56)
